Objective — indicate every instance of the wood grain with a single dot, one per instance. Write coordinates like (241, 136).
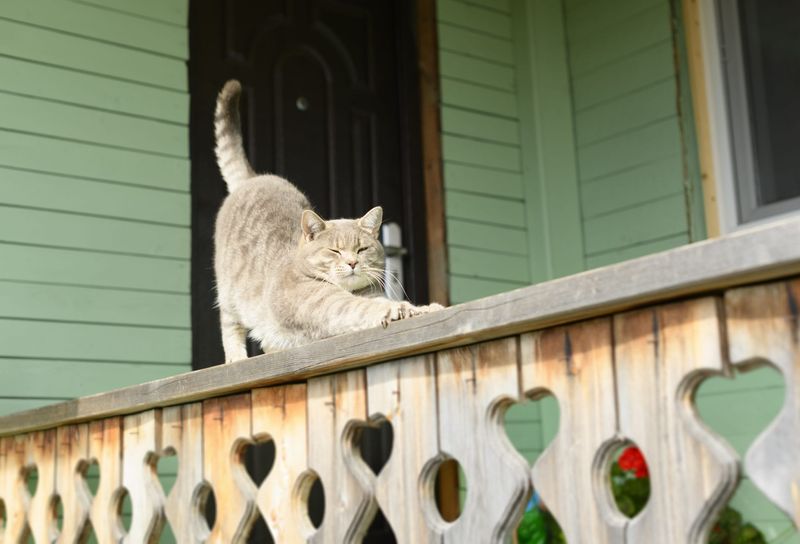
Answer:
(73, 455)
(142, 445)
(764, 327)
(226, 432)
(403, 393)
(182, 436)
(476, 384)
(697, 268)
(661, 355)
(337, 408)
(13, 489)
(575, 364)
(41, 514)
(279, 414)
(105, 447)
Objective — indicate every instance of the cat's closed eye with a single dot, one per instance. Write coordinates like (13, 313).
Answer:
(335, 251)
(362, 249)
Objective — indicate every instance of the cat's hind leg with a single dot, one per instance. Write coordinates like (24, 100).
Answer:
(234, 337)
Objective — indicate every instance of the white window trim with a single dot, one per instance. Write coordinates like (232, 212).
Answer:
(719, 124)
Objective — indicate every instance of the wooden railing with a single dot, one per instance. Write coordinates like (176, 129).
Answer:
(621, 348)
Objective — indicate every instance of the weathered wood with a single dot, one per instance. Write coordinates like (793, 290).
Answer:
(575, 364)
(661, 356)
(105, 447)
(226, 432)
(182, 436)
(692, 269)
(142, 444)
(404, 393)
(476, 384)
(764, 327)
(73, 454)
(337, 407)
(41, 514)
(13, 489)
(279, 414)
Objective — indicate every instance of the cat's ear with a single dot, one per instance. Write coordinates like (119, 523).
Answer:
(372, 220)
(312, 224)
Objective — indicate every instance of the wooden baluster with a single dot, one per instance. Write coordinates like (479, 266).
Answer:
(226, 431)
(336, 405)
(279, 413)
(105, 446)
(14, 489)
(661, 355)
(575, 364)
(142, 444)
(73, 454)
(475, 386)
(763, 325)
(404, 392)
(41, 515)
(182, 433)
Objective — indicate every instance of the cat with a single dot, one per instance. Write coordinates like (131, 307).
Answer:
(284, 275)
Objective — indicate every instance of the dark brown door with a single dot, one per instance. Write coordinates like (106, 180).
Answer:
(329, 102)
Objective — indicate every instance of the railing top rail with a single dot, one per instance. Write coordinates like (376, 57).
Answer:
(766, 252)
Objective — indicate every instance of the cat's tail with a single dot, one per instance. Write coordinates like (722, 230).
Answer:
(231, 158)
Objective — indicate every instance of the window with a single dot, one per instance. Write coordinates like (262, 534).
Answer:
(758, 87)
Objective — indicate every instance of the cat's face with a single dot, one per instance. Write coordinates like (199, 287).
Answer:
(344, 252)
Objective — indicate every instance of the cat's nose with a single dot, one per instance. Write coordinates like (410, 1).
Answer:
(353, 264)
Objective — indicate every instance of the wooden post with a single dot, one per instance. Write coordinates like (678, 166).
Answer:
(142, 441)
(764, 326)
(661, 356)
(73, 454)
(13, 488)
(404, 393)
(575, 364)
(41, 514)
(105, 446)
(476, 384)
(279, 413)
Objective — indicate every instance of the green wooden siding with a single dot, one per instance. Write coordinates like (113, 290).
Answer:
(94, 197)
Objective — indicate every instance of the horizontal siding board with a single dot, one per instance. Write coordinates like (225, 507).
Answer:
(101, 24)
(593, 19)
(463, 289)
(485, 264)
(36, 189)
(639, 70)
(16, 404)
(475, 44)
(764, 377)
(175, 12)
(479, 153)
(489, 237)
(484, 209)
(632, 111)
(637, 250)
(755, 506)
(526, 437)
(634, 148)
(88, 125)
(55, 83)
(474, 17)
(498, 5)
(26, 226)
(55, 48)
(480, 126)
(636, 225)
(642, 184)
(458, 66)
(478, 98)
(88, 304)
(475, 179)
(733, 413)
(523, 412)
(93, 161)
(36, 264)
(624, 38)
(49, 340)
(45, 378)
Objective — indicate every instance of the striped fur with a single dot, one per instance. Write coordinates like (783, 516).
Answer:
(231, 158)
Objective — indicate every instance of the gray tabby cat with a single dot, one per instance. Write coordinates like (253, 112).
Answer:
(283, 273)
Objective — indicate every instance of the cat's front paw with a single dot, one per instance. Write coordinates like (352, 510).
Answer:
(404, 310)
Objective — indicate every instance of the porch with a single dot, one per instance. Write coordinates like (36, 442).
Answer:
(622, 349)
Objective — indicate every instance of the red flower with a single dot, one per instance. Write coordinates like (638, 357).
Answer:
(633, 460)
